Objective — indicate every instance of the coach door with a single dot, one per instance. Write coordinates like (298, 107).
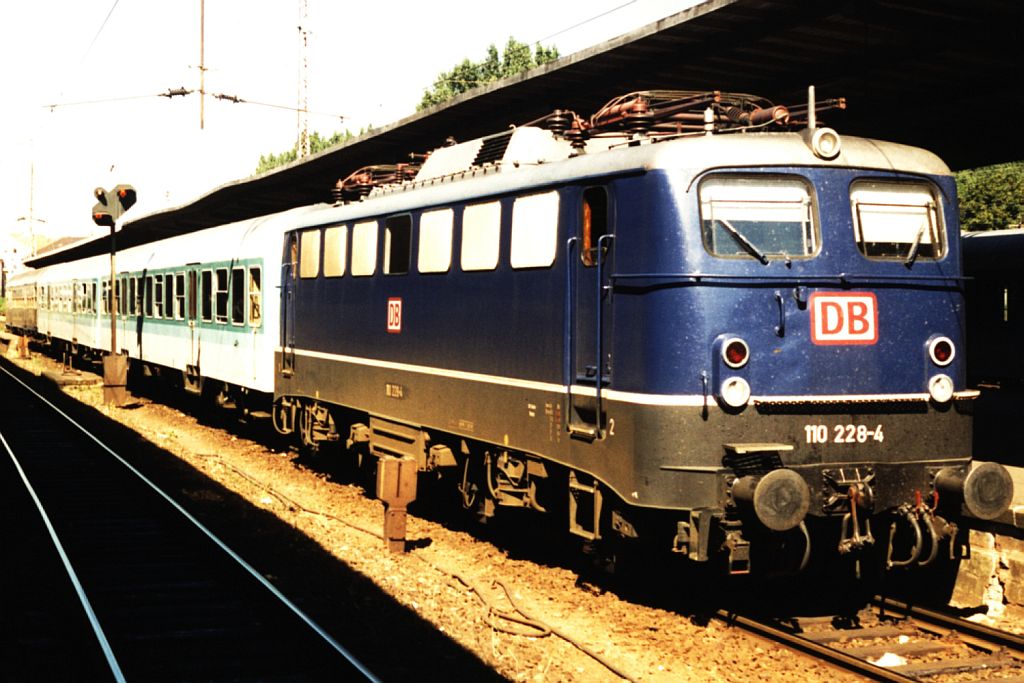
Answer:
(588, 323)
(192, 316)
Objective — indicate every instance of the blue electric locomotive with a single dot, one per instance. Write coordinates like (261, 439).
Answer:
(678, 321)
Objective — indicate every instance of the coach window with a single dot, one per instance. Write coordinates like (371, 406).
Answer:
(593, 223)
(238, 296)
(133, 304)
(221, 295)
(896, 220)
(481, 229)
(255, 296)
(364, 248)
(179, 296)
(206, 294)
(169, 295)
(119, 295)
(534, 230)
(435, 243)
(397, 242)
(309, 254)
(149, 296)
(158, 296)
(758, 217)
(105, 293)
(335, 250)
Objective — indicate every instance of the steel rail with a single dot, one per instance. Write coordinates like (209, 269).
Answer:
(97, 628)
(340, 649)
(797, 642)
(974, 634)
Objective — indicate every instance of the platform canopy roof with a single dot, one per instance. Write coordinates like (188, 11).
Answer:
(940, 74)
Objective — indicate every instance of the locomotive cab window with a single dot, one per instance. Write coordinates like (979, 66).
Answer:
(757, 217)
(894, 220)
(593, 223)
(397, 241)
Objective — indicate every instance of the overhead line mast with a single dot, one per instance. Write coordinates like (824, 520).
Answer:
(303, 108)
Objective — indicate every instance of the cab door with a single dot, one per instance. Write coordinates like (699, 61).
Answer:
(289, 274)
(588, 322)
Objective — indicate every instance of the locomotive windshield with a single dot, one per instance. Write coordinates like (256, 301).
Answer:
(896, 220)
(750, 217)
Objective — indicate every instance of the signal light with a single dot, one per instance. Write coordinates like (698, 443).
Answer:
(942, 351)
(735, 352)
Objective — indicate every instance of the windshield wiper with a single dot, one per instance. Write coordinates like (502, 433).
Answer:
(912, 254)
(747, 245)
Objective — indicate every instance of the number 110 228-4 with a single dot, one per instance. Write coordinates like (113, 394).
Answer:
(848, 433)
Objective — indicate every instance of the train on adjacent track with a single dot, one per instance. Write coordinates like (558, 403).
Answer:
(995, 327)
(695, 321)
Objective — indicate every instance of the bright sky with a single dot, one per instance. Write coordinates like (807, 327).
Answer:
(369, 62)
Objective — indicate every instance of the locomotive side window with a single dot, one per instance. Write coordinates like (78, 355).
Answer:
(896, 220)
(309, 254)
(757, 217)
(534, 230)
(594, 223)
(435, 249)
(335, 250)
(364, 248)
(206, 294)
(481, 230)
(397, 243)
(255, 296)
(238, 291)
(221, 295)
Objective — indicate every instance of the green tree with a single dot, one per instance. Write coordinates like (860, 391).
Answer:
(317, 143)
(466, 75)
(991, 197)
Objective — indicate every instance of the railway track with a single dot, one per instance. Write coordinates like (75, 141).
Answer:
(893, 641)
(107, 578)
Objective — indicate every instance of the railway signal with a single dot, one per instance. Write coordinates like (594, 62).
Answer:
(111, 205)
(108, 208)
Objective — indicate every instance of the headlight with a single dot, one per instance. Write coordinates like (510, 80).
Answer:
(940, 388)
(826, 143)
(735, 392)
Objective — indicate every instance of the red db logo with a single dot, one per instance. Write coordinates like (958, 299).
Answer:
(844, 318)
(394, 315)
